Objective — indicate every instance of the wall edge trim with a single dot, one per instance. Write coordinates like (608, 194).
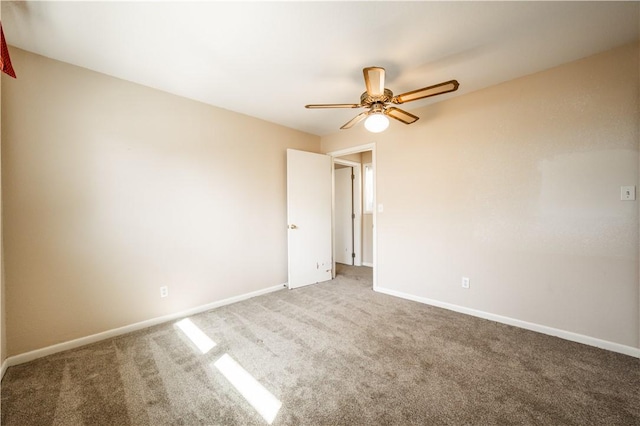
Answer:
(556, 332)
(93, 338)
(3, 368)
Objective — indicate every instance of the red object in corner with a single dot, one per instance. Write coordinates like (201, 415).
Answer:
(5, 60)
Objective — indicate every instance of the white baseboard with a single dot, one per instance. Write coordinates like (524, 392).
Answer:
(563, 334)
(82, 341)
(370, 265)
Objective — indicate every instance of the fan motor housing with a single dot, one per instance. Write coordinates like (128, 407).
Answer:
(367, 100)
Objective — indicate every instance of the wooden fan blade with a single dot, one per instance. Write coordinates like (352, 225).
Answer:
(333, 106)
(426, 92)
(374, 80)
(355, 120)
(401, 115)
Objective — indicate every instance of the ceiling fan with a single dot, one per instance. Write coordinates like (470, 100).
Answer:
(377, 99)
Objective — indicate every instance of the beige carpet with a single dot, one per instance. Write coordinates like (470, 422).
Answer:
(329, 354)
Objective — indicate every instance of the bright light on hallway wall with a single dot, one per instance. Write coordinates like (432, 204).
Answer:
(376, 123)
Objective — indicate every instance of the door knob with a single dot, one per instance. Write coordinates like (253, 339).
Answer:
(292, 226)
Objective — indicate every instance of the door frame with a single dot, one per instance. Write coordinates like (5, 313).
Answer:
(355, 150)
(356, 196)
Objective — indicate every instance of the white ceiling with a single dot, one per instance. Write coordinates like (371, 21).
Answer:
(269, 59)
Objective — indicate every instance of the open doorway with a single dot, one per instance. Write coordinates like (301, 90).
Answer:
(310, 222)
(347, 212)
(354, 214)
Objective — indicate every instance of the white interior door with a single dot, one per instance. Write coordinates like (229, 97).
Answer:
(343, 215)
(309, 217)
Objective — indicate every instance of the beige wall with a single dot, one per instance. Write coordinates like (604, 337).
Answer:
(518, 187)
(112, 190)
(3, 338)
(357, 158)
(367, 239)
(367, 157)
(3, 354)
(367, 221)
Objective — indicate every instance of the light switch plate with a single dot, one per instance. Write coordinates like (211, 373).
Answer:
(380, 208)
(627, 193)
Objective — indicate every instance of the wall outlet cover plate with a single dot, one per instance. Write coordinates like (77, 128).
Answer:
(627, 193)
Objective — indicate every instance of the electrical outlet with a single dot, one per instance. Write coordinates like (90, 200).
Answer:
(164, 291)
(465, 282)
(628, 193)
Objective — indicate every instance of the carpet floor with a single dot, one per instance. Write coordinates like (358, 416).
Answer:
(335, 353)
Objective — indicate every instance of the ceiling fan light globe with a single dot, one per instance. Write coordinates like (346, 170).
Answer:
(376, 123)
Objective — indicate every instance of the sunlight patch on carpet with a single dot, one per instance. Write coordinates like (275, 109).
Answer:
(197, 336)
(260, 398)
